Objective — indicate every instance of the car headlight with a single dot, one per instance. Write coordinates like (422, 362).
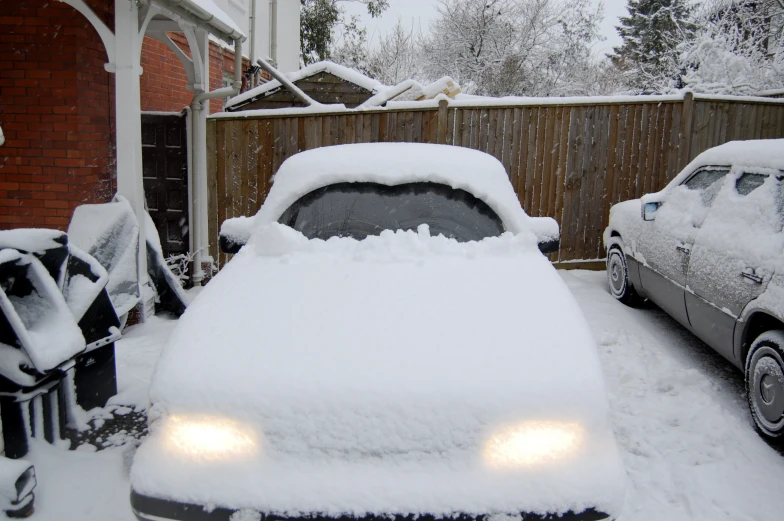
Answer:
(532, 443)
(207, 437)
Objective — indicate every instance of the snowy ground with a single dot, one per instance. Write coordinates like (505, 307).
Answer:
(679, 413)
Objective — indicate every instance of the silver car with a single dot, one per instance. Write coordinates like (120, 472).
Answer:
(709, 250)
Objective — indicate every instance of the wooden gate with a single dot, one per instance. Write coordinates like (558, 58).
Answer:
(165, 173)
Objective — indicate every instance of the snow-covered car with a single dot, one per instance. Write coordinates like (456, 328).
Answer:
(389, 341)
(709, 250)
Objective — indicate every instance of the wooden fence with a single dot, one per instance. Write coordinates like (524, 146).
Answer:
(568, 160)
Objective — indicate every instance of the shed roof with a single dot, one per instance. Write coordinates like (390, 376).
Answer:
(344, 73)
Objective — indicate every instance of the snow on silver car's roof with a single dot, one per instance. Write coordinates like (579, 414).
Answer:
(392, 164)
(759, 153)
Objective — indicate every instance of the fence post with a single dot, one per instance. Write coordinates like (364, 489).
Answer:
(443, 107)
(687, 118)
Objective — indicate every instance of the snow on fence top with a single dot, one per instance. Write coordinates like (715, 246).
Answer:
(469, 101)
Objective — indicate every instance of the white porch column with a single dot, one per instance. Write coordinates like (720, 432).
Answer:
(128, 112)
(200, 111)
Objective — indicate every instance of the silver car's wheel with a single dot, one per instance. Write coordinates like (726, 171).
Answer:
(765, 384)
(618, 277)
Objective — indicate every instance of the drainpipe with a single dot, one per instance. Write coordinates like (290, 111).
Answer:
(252, 30)
(273, 31)
(199, 158)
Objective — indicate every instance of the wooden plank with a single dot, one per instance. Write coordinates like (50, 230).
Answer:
(545, 162)
(571, 187)
(584, 204)
(375, 128)
(721, 130)
(562, 162)
(475, 129)
(627, 173)
(498, 134)
(484, 124)
(349, 129)
(698, 130)
(673, 162)
(687, 117)
(222, 167)
(526, 136)
(634, 157)
(599, 200)
(451, 122)
(266, 151)
(553, 149)
(620, 147)
(610, 167)
(240, 149)
(663, 153)
(514, 140)
(416, 131)
(530, 171)
(383, 127)
(250, 138)
(443, 114)
(642, 154)
(492, 118)
(408, 132)
(655, 119)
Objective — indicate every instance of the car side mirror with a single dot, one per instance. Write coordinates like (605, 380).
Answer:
(649, 210)
(230, 244)
(549, 245)
(235, 233)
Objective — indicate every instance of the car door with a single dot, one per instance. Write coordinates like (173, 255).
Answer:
(732, 259)
(664, 246)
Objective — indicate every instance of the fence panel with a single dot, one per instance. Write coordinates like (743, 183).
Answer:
(569, 160)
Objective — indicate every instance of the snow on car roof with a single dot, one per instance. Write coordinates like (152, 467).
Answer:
(392, 164)
(757, 153)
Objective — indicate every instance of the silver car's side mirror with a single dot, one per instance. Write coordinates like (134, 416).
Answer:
(649, 211)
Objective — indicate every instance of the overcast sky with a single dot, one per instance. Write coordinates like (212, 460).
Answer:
(420, 12)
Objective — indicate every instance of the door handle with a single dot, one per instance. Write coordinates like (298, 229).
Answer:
(751, 274)
(683, 249)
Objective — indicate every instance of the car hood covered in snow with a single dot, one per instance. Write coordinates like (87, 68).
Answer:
(374, 374)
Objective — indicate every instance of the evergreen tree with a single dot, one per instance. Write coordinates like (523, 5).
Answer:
(651, 33)
(320, 23)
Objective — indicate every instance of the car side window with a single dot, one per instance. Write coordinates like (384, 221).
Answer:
(706, 181)
(747, 182)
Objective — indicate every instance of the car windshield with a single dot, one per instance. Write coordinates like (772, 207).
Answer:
(361, 209)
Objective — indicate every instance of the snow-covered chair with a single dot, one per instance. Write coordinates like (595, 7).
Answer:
(56, 321)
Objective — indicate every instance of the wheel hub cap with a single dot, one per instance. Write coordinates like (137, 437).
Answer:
(768, 386)
(769, 389)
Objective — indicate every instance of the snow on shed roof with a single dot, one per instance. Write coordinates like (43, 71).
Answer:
(344, 73)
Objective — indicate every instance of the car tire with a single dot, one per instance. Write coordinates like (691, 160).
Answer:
(618, 278)
(765, 385)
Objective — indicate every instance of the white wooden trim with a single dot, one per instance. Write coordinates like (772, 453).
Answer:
(107, 37)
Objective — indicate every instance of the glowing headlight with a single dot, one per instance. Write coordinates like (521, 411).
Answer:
(209, 437)
(532, 443)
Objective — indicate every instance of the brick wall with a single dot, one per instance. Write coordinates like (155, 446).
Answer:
(57, 108)
(56, 111)
(163, 81)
